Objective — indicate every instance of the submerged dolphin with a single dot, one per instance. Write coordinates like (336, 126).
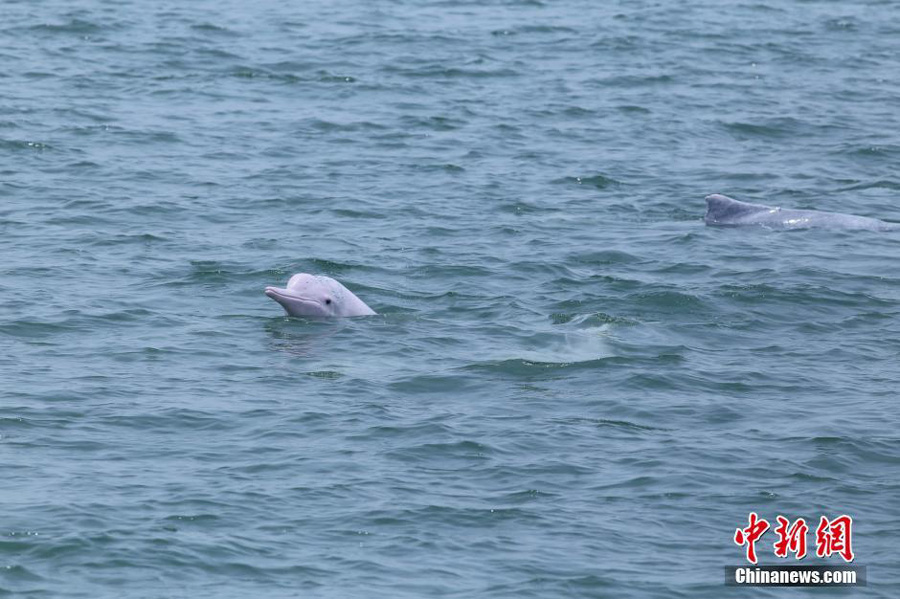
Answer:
(727, 212)
(318, 297)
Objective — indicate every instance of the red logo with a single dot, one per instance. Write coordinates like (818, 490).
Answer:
(748, 536)
(832, 536)
(791, 539)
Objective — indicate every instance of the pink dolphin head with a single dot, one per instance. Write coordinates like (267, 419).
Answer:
(314, 296)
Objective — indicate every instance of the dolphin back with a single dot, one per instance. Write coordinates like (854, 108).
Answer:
(724, 211)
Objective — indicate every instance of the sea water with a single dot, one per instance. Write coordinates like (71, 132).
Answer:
(573, 387)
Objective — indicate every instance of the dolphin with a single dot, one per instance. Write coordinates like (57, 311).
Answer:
(727, 212)
(318, 297)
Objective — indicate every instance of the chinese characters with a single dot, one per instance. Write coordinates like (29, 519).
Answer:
(832, 536)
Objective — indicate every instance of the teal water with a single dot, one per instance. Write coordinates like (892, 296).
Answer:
(573, 389)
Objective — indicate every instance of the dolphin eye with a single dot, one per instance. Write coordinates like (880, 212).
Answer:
(328, 301)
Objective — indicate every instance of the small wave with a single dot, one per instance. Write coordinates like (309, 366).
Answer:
(444, 72)
(881, 184)
(74, 26)
(604, 257)
(871, 152)
(525, 29)
(667, 301)
(212, 28)
(15, 144)
(848, 24)
(632, 81)
(446, 455)
(31, 329)
(775, 129)
(633, 109)
(145, 239)
(325, 374)
(597, 181)
(527, 368)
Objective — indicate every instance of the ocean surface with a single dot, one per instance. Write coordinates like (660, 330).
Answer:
(573, 388)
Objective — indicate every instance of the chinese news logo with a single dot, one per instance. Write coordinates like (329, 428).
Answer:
(832, 537)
